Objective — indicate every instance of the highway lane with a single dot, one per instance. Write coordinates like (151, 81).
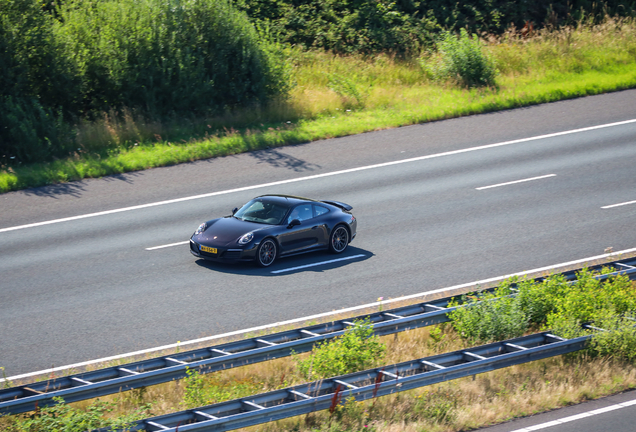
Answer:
(88, 288)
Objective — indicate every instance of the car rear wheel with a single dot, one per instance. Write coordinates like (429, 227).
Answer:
(339, 239)
(266, 253)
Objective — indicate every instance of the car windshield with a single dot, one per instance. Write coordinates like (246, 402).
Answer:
(262, 211)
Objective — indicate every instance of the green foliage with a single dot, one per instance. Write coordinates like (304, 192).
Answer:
(537, 300)
(6, 382)
(464, 61)
(439, 406)
(30, 132)
(590, 300)
(619, 341)
(406, 27)
(357, 349)
(36, 83)
(167, 56)
(64, 418)
(572, 62)
(350, 415)
(348, 90)
(156, 58)
(490, 317)
(559, 306)
(32, 59)
(209, 389)
(345, 26)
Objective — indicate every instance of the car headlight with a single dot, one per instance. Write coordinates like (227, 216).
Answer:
(245, 239)
(201, 228)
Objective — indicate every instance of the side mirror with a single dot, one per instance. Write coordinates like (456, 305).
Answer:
(294, 223)
(234, 210)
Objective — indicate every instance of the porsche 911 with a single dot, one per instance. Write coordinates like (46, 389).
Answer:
(273, 226)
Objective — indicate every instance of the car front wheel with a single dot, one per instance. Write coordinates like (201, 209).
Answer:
(266, 253)
(339, 239)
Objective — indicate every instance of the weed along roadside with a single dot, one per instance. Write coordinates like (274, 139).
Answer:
(568, 309)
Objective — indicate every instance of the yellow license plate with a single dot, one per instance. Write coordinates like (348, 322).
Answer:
(208, 249)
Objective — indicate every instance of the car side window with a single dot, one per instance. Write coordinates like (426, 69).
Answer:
(302, 213)
(320, 210)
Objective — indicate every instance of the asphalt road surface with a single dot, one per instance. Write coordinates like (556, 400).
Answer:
(615, 413)
(437, 204)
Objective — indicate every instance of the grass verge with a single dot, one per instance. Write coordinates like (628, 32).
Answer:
(337, 96)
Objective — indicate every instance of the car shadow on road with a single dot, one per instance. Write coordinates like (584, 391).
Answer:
(317, 262)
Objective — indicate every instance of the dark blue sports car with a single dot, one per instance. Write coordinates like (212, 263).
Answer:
(272, 226)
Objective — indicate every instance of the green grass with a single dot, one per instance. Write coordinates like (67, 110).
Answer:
(337, 96)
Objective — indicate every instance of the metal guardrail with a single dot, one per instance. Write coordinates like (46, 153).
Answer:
(323, 394)
(159, 370)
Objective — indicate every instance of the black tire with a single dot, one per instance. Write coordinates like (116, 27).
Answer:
(339, 239)
(266, 253)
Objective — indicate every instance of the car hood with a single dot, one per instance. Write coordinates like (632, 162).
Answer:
(227, 230)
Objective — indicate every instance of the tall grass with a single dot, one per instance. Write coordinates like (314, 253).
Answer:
(336, 96)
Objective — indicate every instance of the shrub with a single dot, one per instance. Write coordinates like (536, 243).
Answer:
(165, 56)
(345, 26)
(408, 27)
(357, 349)
(619, 339)
(64, 418)
(589, 299)
(37, 86)
(490, 317)
(559, 306)
(537, 300)
(463, 61)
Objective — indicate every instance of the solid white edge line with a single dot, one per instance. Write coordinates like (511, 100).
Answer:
(317, 264)
(313, 317)
(168, 245)
(346, 171)
(618, 205)
(576, 417)
(516, 181)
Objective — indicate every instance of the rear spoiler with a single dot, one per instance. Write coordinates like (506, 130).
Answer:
(343, 206)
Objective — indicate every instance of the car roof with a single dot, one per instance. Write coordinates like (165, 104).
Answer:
(286, 200)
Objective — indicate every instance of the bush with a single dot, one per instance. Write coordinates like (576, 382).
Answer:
(345, 26)
(537, 299)
(490, 317)
(589, 300)
(64, 418)
(37, 86)
(407, 27)
(164, 57)
(559, 306)
(357, 349)
(463, 61)
(30, 132)
(619, 339)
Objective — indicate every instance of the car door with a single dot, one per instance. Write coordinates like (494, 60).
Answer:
(300, 237)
